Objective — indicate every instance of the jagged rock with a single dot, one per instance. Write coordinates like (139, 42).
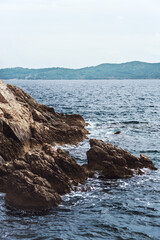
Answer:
(33, 174)
(28, 190)
(114, 162)
(1, 160)
(37, 179)
(25, 124)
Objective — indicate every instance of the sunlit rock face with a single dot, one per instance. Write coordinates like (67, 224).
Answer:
(25, 124)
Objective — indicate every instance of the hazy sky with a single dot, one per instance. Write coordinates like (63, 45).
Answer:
(78, 33)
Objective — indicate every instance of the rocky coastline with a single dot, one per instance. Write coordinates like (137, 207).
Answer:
(33, 173)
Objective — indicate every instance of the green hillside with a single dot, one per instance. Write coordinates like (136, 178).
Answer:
(130, 70)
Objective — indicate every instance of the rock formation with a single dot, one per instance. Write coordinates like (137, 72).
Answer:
(38, 179)
(33, 173)
(114, 162)
(25, 124)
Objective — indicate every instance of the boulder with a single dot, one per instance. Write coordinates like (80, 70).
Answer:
(26, 190)
(114, 162)
(39, 178)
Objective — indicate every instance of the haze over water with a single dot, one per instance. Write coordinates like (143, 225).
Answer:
(108, 209)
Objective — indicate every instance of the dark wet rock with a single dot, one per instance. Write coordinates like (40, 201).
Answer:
(25, 124)
(114, 162)
(146, 162)
(28, 190)
(38, 179)
(117, 132)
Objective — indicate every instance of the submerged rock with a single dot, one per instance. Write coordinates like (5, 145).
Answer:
(117, 132)
(114, 162)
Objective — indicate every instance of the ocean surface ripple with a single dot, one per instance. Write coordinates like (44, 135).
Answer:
(107, 209)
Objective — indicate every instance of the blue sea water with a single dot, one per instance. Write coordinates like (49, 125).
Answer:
(108, 209)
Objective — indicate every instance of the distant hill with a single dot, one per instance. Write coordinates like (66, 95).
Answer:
(130, 70)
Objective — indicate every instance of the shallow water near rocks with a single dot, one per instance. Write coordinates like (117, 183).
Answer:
(106, 209)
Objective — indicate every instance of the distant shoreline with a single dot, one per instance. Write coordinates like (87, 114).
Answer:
(109, 79)
(106, 71)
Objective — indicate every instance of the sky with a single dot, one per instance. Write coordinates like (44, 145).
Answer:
(78, 33)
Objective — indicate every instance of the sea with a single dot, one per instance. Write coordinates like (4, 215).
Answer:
(124, 209)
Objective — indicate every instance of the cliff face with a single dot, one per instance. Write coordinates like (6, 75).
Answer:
(25, 124)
